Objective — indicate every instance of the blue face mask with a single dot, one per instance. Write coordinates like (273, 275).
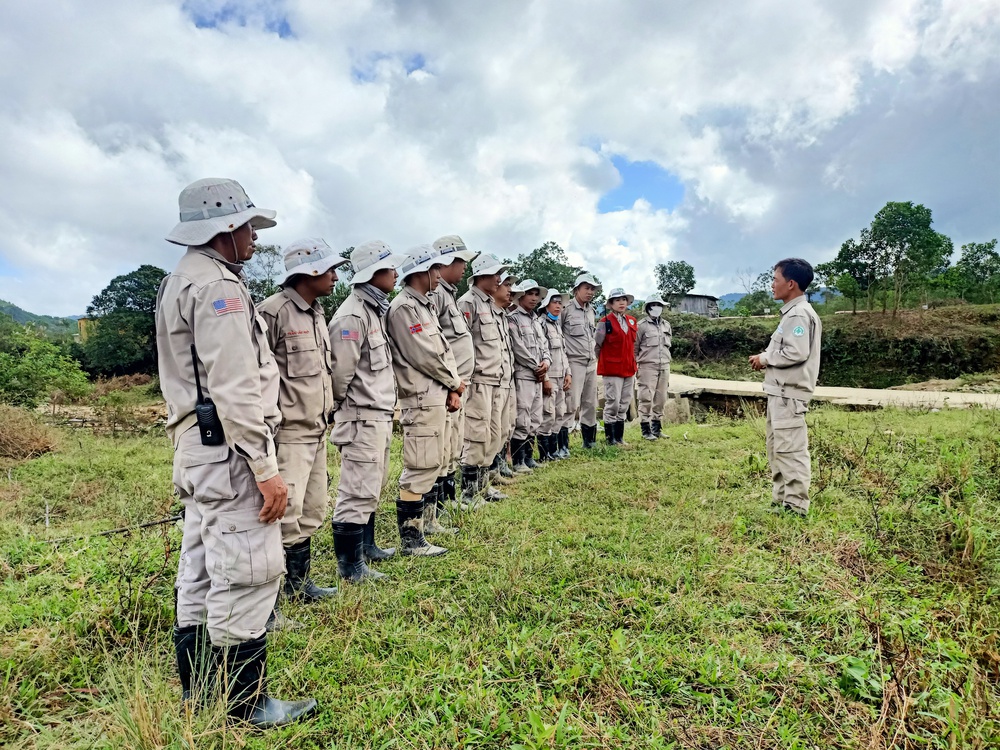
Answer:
(551, 316)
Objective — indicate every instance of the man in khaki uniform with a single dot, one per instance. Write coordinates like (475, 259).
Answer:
(553, 435)
(652, 354)
(579, 329)
(213, 354)
(429, 387)
(364, 394)
(531, 365)
(296, 333)
(483, 426)
(791, 364)
(502, 299)
(455, 327)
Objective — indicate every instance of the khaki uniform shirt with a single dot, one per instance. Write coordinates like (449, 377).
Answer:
(557, 351)
(506, 347)
(652, 342)
(205, 302)
(579, 324)
(792, 357)
(363, 384)
(297, 335)
(528, 341)
(421, 357)
(486, 321)
(455, 327)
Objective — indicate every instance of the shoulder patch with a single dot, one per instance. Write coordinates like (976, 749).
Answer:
(346, 335)
(228, 305)
(418, 328)
(798, 331)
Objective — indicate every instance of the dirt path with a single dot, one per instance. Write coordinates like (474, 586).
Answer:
(684, 385)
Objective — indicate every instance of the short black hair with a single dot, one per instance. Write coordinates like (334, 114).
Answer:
(797, 270)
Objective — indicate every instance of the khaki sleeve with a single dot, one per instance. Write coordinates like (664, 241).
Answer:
(639, 335)
(418, 349)
(346, 337)
(226, 349)
(599, 334)
(793, 346)
(272, 329)
(522, 355)
(546, 349)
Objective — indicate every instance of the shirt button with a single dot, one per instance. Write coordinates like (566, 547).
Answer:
(232, 527)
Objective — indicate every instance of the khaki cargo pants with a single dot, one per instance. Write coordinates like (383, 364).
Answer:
(364, 467)
(508, 397)
(455, 435)
(483, 424)
(617, 398)
(653, 382)
(424, 457)
(303, 467)
(554, 409)
(788, 452)
(582, 399)
(529, 409)
(230, 563)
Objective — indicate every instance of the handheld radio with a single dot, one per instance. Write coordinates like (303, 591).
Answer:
(209, 424)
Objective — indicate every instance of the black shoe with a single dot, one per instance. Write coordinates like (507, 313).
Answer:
(562, 441)
(589, 433)
(348, 544)
(529, 449)
(647, 431)
(657, 428)
(374, 553)
(244, 678)
(410, 519)
(193, 663)
(298, 585)
(609, 433)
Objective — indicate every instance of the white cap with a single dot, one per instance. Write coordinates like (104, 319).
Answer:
(548, 298)
(451, 246)
(487, 265)
(310, 257)
(586, 278)
(619, 292)
(369, 258)
(215, 205)
(528, 284)
(655, 299)
(507, 275)
(419, 259)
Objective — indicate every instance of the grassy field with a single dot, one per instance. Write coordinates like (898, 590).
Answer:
(624, 598)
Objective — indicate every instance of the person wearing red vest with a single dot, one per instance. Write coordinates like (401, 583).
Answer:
(615, 347)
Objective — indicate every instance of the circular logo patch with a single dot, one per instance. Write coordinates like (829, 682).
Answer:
(798, 331)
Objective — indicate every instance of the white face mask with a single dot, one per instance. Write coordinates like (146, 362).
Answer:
(655, 311)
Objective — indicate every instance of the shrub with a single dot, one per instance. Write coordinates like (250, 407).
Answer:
(22, 434)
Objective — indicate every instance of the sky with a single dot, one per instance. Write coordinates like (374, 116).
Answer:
(728, 135)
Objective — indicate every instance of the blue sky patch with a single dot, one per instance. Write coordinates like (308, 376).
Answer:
(231, 12)
(365, 70)
(642, 179)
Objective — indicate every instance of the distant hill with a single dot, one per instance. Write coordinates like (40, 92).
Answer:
(53, 325)
(728, 300)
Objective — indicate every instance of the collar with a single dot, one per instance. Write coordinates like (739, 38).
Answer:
(576, 302)
(483, 296)
(297, 299)
(449, 287)
(421, 298)
(235, 268)
(797, 301)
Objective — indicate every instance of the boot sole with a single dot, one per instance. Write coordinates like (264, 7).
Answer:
(431, 551)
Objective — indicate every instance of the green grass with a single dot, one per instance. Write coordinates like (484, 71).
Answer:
(625, 598)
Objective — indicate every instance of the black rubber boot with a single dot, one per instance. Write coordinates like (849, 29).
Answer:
(431, 500)
(657, 427)
(490, 494)
(276, 621)
(373, 553)
(193, 650)
(620, 434)
(298, 585)
(348, 544)
(529, 450)
(544, 455)
(563, 442)
(495, 474)
(589, 433)
(647, 431)
(505, 470)
(609, 433)
(410, 519)
(245, 681)
(518, 450)
(470, 484)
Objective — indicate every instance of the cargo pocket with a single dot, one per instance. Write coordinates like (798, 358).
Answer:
(789, 427)
(359, 474)
(421, 447)
(303, 359)
(250, 552)
(205, 473)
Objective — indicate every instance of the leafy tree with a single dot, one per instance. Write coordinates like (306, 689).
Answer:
(548, 265)
(32, 368)
(260, 272)
(977, 272)
(674, 279)
(124, 338)
(758, 300)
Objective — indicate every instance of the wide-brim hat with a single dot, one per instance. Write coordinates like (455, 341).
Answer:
(528, 284)
(419, 259)
(655, 299)
(488, 265)
(504, 275)
(586, 278)
(368, 258)
(619, 292)
(452, 247)
(310, 257)
(215, 205)
(548, 298)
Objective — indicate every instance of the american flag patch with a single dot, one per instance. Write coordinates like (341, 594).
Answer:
(468, 315)
(231, 305)
(416, 329)
(350, 336)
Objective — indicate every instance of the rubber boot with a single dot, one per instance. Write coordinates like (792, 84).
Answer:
(410, 519)
(490, 494)
(620, 434)
(496, 475)
(518, 450)
(589, 433)
(193, 650)
(544, 456)
(505, 470)
(299, 586)
(431, 499)
(555, 447)
(657, 427)
(277, 621)
(647, 431)
(349, 546)
(609, 433)
(373, 553)
(529, 449)
(563, 442)
(470, 485)
(245, 681)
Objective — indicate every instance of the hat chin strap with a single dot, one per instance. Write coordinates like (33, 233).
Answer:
(236, 251)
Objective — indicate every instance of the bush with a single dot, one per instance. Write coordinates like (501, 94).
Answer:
(32, 368)
(22, 434)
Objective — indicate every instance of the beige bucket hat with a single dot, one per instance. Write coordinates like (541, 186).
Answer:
(548, 298)
(528, 284)
(419, 259)
(310, 257)
(370, 257)
(619, 292)
(488, 265)
(587, 278)
(215, 205)
(451, 246)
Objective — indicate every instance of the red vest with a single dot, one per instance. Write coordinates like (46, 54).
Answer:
(617, 357)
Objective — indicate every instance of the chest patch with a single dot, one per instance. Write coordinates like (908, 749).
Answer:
(416, 329)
